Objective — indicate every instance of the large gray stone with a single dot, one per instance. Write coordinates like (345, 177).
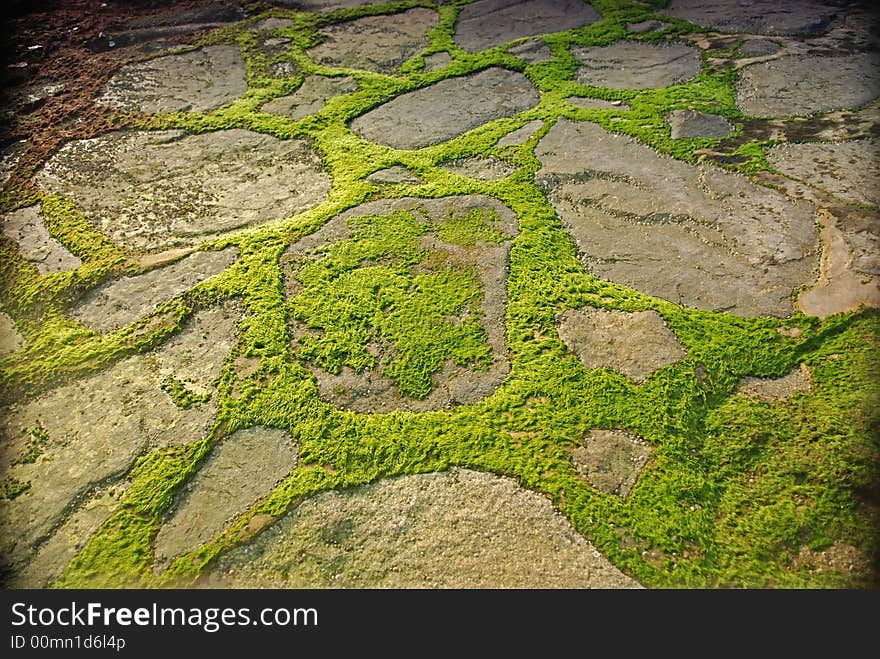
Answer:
(849, 170)
(242, 468)
(803, 17)
(695, 235)
(310, 97)
(196, 81)
(804, 84)
(25, 227)
(123, 301)
(412, 121)
(150, 190)
(692, 123)
(636, 65)
(487, 23)
(458, 529)
(375, 43)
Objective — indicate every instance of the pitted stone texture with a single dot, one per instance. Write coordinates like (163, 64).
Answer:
(759, 48)
(634, 344)
(521, 134)
(636, 65)
(691, 123)
(396, 174)
(611, 460)
(777, 389)
(793, 17)
(375, 43)
(487, 23)
(849, 170)
(597, 104)
(25, 227)
(310, 97)
(458, 529)
(197, 81)
(118, 303)
(10, 339)
(152, 190)
(437, 61)
(487, 168)
(804, 84)
(243, 468)
(372, 391)
(412, 121)
(9, 159)
(532, 51)
(699, 236)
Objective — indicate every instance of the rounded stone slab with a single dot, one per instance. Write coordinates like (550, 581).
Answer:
(375, 43)
(310, 97)
(849, 170)
(487, 23)
(792, 17)
(196, 81)
(694, 235)
(241, 469)
(634, 344)
(457, 529)
(692, 123)
(118, 303)
(636, 65)
(411, 121)
(611, 460)
(26, 228)
(804, 84)
(151, 190)
(10, 339)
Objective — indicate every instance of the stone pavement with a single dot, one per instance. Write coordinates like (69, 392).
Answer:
(432, 294)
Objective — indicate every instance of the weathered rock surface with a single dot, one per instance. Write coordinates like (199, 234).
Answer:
(320, 6)
(804, 84)
(10, 339)
(596, 103)
(396, 174)
(149, 190)
(849, 170)
(310, 97)
(692, 123)
(777, 389)
(196, 81)
(488, 168)
(636, 65)
(458, 529)
(646, 26)
(487, 23)
(532, 51)
(25, 226)
(611, 460)
(118, 303)
(521, 134)
(437, 61)
(411, 121)
(759, 48)
(242, 468)
(375, 43)
(797, 17)
(634, 344)
(695, 235)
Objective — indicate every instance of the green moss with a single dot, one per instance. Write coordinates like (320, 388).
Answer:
(11, 487)
(37, 438)
(181, 395)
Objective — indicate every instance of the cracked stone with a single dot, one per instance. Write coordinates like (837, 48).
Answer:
(691, 123)
(777, 389)
(312, 95)
(411, 121)
(611, 460)
(161, 189)
(25, 226)
(636, 65)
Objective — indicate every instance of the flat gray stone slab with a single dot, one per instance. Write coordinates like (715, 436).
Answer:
(396, 174)
(777, 389)
(596, 103)
(849, 170)
(118, 303)
(457, 529)
(532, 51)
(412, 121)
(646, 26)
(197, 81)
(371, 389)
(152, 190)
(636, 65)
(487, 23)
(792, 17)
(694, 235)
(634, 344)
(375, 43)
(310, 97)
(25, 226)
(437, 61)
(10, 339)
(241, 469)
(692, 123)
(487, 168)
(759, 48)
(521, 134)
(611, 460)
(804, 84)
